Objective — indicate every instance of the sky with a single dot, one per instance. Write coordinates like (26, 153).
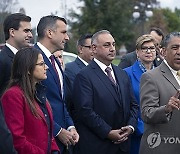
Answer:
(39, 8)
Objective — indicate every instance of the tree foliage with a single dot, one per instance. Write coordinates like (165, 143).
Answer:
(6, 7)
(113, 15)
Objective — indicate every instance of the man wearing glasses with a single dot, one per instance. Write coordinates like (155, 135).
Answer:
(85, 55)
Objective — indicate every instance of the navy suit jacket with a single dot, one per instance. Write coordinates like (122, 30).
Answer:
(71, 70)
(60, 115)
(98, 107)
(6, 60)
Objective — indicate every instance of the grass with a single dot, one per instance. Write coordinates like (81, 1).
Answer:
(116, 61)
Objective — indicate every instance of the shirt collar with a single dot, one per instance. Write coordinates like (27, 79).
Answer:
(172, 70)
(85, 63)
(44, 49)
(101, 65)
(13, 49)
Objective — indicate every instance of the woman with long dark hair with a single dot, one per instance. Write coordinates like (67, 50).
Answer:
(27, 112)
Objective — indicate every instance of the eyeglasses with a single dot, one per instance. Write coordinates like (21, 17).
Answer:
(145, 49)
(86, 46)
(41, 64)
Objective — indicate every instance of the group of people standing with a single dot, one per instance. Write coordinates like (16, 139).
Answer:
(91, 107)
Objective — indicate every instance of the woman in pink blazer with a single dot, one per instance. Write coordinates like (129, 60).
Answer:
(27, 111)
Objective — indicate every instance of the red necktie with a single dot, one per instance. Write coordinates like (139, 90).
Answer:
(108, 71)
(53, 64)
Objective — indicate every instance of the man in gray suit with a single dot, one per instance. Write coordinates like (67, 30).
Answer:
(160, 105)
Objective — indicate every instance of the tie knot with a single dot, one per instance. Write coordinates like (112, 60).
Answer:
(108, 69)
(52, 57)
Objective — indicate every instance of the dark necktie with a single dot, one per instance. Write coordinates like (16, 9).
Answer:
(108, 71)
(53, 64)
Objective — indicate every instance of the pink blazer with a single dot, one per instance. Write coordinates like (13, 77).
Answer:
(30, 134)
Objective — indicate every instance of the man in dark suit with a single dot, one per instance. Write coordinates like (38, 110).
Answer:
(17, 30)
(52, 34)
(6, 141)
(129, 59)
(85, 55)
(105, 106)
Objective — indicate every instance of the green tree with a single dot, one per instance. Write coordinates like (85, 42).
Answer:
(113, 15)
(172, 19)
(6, 7)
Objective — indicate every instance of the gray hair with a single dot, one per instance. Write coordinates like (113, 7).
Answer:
(169, 37)
(94, 39)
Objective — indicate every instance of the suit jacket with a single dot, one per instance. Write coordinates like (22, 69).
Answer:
(6, 141)
(134, 72)
(71, 70)
(29, 132)
(6, 59)
(98, 107)
(157, 86)
(130, 58)
(54, 95)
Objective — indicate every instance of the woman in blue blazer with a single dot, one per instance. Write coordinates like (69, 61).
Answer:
(146, 53)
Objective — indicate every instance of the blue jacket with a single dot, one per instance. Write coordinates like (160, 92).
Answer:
(60, 114)
(134, 72)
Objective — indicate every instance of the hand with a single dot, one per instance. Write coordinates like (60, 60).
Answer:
(174, 103)
(75, 135)
(66, 137)
(126, 131)
(117, 136)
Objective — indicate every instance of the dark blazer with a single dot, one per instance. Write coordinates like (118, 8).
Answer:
(29, 132)
(6, 141)
(71, 70)
(130, 58)
(101, 107)
(60, 114)
(6, 59)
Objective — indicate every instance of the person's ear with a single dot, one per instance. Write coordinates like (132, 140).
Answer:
(137, 53)
(80, 49)
(163, 51)
(11, 32)
(49, 33)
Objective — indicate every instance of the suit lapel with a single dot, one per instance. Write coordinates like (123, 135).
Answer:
(137, 72)
(118, 75)
(80, 63)
(9, 52)
(169, 76)
(50, 69)
(41, 114)
(103, 77)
